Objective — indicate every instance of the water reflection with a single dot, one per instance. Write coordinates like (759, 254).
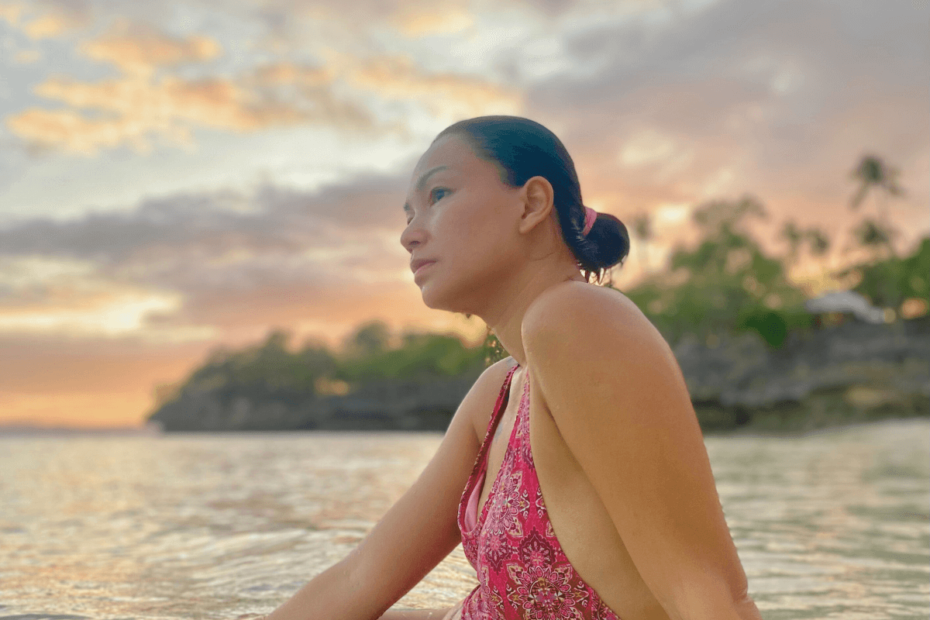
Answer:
(831, 525)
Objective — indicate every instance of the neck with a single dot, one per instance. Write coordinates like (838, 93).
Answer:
(505, 318)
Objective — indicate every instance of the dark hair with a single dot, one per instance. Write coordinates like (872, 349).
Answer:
(523, 149)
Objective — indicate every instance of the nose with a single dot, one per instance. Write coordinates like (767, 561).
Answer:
(412, 235)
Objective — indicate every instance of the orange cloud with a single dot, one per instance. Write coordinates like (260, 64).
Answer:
(288, 73)
(10, 12)
(142, 105)
(51, 25)
(444, 94)
(134, 108)
(433, 20)
(56, 21)
(140, 49)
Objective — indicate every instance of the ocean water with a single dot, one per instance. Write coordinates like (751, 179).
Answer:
(828, 525)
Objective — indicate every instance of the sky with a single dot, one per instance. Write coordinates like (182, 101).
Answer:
(181, 175)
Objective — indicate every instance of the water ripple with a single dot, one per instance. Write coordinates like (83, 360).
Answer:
(828, 525)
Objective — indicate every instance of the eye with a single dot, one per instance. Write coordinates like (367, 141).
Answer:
(438, 193)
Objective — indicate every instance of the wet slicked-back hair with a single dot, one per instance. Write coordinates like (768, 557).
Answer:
(522, 149)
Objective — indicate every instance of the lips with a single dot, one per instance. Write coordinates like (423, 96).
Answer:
(415, 265)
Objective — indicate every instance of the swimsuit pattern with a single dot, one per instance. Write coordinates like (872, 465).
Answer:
(522, 571)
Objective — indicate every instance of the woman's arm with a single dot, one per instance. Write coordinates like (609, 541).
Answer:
(417, 614)
(451, 613)
(414, 535)
(624, 411)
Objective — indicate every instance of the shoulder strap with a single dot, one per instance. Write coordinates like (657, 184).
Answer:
(502, 399)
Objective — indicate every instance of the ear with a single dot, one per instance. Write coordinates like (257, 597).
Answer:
(538, 203)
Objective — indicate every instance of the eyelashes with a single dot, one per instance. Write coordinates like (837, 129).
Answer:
(435, 195)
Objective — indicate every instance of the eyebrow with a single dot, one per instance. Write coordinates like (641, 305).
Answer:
(421, 183)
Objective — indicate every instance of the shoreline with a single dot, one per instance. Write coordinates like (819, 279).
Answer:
(747, 430)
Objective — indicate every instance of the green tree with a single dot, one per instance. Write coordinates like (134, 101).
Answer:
(726, 283)
(420, 355)
(817, 241)
(874, 176)
(875, 236)
(263, 370)
(369, 339)
(873, 173)
(890, 282)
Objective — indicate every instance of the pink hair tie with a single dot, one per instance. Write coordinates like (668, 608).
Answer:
(589, 216)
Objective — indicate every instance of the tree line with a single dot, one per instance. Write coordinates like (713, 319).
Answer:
(726, 283)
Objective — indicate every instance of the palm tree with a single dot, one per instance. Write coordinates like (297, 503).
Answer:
(818, 241)
(872, 172)
(874, 235)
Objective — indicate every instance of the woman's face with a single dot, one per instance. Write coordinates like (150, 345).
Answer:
(462, 216)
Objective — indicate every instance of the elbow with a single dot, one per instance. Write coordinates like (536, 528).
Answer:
(716, 601)
(745, 608)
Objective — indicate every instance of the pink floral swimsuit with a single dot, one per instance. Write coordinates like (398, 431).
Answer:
(522, 570)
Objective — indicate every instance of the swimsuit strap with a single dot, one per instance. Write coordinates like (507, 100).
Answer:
(480, 461)
(502, 398)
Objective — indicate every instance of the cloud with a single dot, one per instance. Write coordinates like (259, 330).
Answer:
(10, 12)
(136, 298)
(44, 19)
(767, 97)
(445, 94)
(433, 20)
(25, 57)
(185, 266)
(140, 49)
(97, 310)
(135, 109)
(52, 25)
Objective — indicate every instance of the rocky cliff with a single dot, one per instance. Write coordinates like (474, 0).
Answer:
(851, 372)
(847, 373)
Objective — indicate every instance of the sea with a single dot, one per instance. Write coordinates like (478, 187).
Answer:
(832, 524)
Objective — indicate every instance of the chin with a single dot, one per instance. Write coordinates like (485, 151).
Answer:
(439, 296)
(435, 300)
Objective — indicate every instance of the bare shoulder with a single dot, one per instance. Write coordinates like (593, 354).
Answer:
(595, 310)
(584, 342)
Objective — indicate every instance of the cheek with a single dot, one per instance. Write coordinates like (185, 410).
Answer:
(476, 217)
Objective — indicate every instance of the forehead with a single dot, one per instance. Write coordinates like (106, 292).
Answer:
(451, 151)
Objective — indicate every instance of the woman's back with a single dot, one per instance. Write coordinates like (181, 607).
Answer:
(560, 535)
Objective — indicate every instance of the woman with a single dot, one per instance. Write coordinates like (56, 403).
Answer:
(631, 526)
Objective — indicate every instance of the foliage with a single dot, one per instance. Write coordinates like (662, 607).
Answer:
(268, 369)
(890, 282)
(369, 339)
(871, 172)
(419, 355)
(726, 283)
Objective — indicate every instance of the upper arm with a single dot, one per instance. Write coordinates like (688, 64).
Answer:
(420, 529)
(623, 409)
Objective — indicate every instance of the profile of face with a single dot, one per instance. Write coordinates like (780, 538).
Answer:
(464, 218)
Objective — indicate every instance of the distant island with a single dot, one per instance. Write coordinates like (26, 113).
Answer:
(756, 351)
(852, 372)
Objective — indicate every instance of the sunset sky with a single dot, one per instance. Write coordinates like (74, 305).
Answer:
(181, 174)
